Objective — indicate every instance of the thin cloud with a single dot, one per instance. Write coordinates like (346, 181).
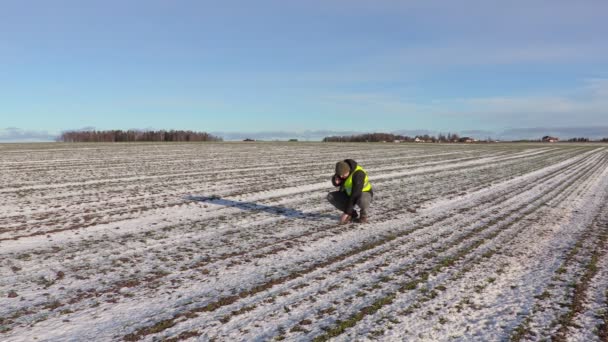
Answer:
(564, 133)
(584, 104)
(414, 132)
(490, 53)
(83, 129)
(476, 133)
(597, 87)
(14, 134)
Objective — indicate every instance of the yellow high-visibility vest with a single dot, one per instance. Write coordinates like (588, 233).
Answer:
(348, 183)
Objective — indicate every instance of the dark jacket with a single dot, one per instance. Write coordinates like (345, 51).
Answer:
(358, 182)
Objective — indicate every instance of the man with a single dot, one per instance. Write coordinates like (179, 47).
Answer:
(355, 189)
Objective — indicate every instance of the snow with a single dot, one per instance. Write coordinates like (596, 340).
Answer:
(236, 242)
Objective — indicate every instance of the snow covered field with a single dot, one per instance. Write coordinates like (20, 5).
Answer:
(236, 242)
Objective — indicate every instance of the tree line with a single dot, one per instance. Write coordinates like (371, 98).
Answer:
(440, 138)
(368, 137)
(379, 137)
(135, 136)
(581, 139)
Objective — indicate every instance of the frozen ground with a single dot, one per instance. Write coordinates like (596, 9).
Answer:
(236, 242)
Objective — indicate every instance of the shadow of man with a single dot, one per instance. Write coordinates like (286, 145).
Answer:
(252, 206)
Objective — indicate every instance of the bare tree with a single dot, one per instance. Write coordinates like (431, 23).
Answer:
(133, 136)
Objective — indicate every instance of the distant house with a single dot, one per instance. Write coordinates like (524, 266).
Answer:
(248, 139)
(550, 139)
(466, 140)
(424, 139)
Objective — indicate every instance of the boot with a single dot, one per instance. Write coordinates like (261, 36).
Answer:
(347, 221)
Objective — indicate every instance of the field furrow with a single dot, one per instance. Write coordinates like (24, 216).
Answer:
(235, 241)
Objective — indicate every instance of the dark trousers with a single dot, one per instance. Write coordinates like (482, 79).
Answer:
(339, 199)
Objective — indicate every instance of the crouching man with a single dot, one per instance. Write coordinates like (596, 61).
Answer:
(355, 189)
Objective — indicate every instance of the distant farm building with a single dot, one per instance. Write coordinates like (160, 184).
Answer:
(466, 140)
(424, 139)
(550, 139)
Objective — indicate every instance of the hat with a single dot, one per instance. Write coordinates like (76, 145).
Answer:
(342, 167)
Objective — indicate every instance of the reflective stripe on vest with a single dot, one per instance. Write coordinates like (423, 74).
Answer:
(348, 183)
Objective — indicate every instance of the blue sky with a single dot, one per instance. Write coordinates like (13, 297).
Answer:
(272, 68)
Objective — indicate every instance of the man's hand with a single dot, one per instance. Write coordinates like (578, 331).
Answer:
(337, 180)
(345, 218)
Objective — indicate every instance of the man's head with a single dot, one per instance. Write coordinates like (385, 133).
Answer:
(342, 169)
